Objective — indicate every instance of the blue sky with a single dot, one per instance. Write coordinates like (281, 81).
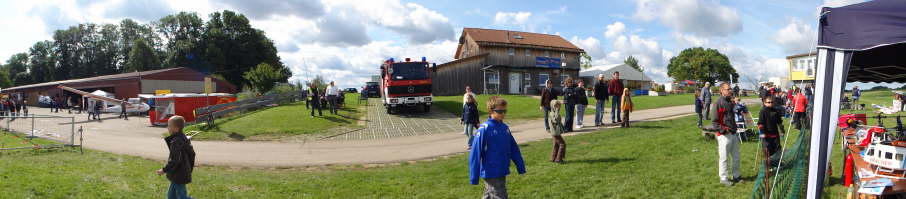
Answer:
(345, 40)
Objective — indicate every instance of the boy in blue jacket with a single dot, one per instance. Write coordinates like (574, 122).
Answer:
(492, 150)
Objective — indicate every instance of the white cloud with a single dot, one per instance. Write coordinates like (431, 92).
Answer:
(262, 9)
(419, 24)
(687, 40)
(512, 18)
(796, 37)
(698, 17)
(614, 29)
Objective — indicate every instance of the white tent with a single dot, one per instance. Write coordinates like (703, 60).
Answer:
(627, 73)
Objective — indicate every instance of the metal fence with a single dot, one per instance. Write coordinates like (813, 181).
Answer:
(57, 128)
(209, 113)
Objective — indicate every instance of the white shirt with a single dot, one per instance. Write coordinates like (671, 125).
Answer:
(332, 90)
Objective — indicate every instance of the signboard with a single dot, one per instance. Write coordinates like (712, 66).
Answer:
(208, 85)
(161, 92)
(547, 62)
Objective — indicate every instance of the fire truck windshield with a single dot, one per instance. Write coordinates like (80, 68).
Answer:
(409, 71)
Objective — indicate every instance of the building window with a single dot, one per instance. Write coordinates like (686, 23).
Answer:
(562, 55)
(493, 78)
(547, 53)
(528, 52)
(511, 51)
(542, 78)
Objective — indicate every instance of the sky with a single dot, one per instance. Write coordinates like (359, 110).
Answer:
(346, 40)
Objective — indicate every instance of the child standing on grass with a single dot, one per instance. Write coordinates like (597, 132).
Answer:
(559, 149)
(770, 125)
(181, 162)
(626, 107)
(493, 149)
(469, 118)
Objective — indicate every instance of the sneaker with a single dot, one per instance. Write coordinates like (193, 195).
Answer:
(737, 180)
(726, 183)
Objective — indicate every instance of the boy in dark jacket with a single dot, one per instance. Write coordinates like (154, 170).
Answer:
(493, 149)
(469, 119)
(181, 162)
(548, 93)
(770, 125)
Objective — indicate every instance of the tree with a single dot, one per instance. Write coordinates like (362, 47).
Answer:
(634, 63)
(703, 65)
(263, 77)
(141, 57)
(182, 31)
(585, 60)
(16, 64)
(318, 82)
(5, 82)
(42, 62)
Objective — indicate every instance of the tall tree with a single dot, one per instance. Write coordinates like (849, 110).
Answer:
(42, 62)
(5, 82)
(182, 31)
(18, 63)
(141, 57)
(232, 47)
(704, 65)
(130, 31)
(634, 63)
(585, 60)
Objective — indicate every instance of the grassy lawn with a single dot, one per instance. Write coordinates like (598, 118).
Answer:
(526, 107)
(664, 159)
(276, 122)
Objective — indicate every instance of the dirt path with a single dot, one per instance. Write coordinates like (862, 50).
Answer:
(136, 137)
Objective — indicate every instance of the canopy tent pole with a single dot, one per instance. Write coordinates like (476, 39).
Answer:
(830, 80)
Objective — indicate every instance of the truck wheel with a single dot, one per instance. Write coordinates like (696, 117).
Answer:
(426, 107)
(389, 111)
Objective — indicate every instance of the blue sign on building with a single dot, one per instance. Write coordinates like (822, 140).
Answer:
(547, 62)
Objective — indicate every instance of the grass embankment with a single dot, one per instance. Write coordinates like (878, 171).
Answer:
(526, 107)
(281, 121)
(663, 159)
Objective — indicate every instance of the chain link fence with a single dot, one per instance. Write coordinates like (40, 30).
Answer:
(60, 129)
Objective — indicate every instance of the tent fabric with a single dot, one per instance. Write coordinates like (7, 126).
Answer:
(863, 26)
(833, 66)
(626, 72)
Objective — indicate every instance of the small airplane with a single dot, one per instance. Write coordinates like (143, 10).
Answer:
(111, 105)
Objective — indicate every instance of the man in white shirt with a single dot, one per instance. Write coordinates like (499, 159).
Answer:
(332, 93)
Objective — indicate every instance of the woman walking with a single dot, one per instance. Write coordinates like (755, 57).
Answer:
(469, 119)
(582, 103)
(698, 106)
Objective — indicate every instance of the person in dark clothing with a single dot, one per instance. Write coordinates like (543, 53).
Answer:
(548, 93)
(98, 105)
(469, 119)
(581, 103)
(770, 125)
(736, 90)
(123, 105)
(601, 96)
(315, 101)
(615, 89)
(305, 98)
(569, 95)
(181, 161)
(706, 100)
(698, 106)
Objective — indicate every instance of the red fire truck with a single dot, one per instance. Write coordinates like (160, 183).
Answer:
(406, 84)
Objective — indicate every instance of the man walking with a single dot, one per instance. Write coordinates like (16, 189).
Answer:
(332, 93)
(601, 95)
(706, 100)
(547, 94)
(615, 89)
(727, 142)
(315, 100)
(123, 105)
(856, 94)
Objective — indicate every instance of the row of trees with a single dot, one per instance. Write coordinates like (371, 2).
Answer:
(226, 46)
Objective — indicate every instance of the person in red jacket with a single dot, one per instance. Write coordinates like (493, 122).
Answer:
(615, 89)
(799, 105)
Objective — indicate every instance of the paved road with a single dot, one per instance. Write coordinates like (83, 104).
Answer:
(136, 137)
(380, 125)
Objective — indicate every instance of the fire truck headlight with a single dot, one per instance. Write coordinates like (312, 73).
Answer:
(394, 101)
(427, 99)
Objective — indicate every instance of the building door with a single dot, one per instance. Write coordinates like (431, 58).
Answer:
(515, 83)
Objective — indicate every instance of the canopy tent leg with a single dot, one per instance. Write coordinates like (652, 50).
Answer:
(832, 69)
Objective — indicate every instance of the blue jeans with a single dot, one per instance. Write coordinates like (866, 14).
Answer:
(469, 130)
(547, 111)
(615, 109)
(568, 120)
(178, 191)
(599, 112)
(580, 114)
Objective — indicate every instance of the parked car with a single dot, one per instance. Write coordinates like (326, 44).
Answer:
(352, 90)
(373, 89)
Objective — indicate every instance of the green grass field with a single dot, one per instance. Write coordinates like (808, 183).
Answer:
(664, 159)
(527, 106)
(276, 122)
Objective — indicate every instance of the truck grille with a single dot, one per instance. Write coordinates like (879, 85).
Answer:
(409, 89)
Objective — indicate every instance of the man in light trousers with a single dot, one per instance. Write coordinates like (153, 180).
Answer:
(332, 93)
(727, 142)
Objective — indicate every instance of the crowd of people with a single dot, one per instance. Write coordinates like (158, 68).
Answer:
(331, 98)
(729, 111)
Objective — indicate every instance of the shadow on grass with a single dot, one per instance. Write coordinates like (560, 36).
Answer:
(236, 136)
(647, 127)
(600, 160)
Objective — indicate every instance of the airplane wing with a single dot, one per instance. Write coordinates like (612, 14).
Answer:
(87, 94)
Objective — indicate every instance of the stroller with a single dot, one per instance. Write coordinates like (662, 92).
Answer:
(745, 124)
